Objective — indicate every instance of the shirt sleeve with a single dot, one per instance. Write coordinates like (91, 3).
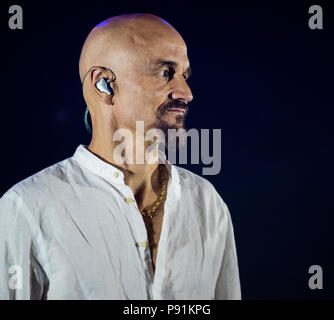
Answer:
(228, 284)
(21, 274)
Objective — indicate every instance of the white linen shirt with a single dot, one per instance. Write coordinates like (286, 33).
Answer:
(74, 231)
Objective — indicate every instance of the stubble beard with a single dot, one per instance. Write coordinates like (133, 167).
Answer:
(165, 126)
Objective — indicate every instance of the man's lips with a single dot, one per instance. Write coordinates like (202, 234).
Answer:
(176, 110)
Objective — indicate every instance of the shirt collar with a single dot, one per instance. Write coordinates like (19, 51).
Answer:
(107, 171)
(93, 163)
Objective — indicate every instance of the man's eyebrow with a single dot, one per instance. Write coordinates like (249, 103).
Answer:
(161, 63)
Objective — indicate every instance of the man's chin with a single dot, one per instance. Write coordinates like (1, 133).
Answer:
(175, 120)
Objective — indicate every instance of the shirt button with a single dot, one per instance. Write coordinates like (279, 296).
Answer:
(144, 244)
(116, 174)
(128, 200)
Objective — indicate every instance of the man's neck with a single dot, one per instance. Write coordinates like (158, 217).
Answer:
(143, 179)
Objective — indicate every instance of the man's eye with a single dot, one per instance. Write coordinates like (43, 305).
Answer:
(165, 73)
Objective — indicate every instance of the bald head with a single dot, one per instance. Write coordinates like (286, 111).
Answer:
(118, 39)
(145, 61)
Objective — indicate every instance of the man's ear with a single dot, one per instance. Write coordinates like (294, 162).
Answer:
(102, 82)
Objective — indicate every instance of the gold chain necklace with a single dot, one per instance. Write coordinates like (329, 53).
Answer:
(150, 213)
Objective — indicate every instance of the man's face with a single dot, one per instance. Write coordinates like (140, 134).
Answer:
(152, 86)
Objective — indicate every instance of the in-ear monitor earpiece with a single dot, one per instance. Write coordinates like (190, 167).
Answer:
(103, 86)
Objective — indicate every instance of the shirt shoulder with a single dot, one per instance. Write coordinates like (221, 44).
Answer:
(41, 185)
(198, 184)
(199, 188)
(200, 194)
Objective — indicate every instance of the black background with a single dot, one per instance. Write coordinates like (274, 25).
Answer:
(259, 73)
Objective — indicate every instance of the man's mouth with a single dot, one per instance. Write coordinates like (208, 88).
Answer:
(176, 110)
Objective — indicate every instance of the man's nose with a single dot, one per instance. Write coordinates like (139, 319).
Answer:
(181, 90)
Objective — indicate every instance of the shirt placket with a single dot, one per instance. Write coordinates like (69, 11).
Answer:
(139, 230)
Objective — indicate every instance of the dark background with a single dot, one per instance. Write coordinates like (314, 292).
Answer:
(259, 73)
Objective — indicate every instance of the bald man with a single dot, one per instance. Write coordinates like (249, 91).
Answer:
(95, 227)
